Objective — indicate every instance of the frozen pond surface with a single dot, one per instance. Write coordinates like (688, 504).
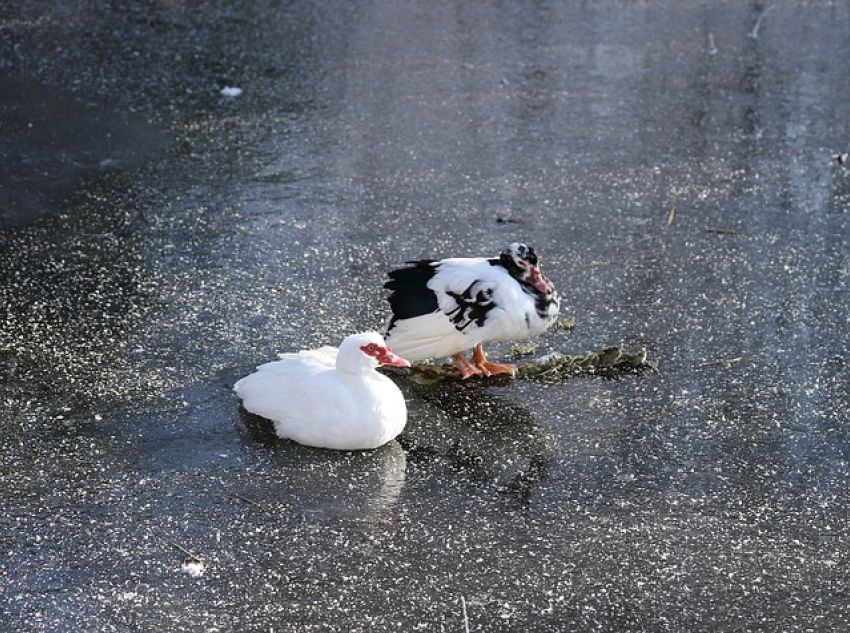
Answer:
(672, 162)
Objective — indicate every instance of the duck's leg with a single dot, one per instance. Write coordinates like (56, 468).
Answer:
(486, 367)
(466, 368)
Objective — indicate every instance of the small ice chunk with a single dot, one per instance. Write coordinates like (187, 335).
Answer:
(194, 567)
(231, 91)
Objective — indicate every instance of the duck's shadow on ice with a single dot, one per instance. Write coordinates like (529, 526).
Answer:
(483, 437)
(258, 430)
(319, 484)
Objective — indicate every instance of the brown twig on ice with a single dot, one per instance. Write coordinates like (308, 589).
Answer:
(723, 231)
(754, 33)
(722, 361)
(671, 215)
(174, 543)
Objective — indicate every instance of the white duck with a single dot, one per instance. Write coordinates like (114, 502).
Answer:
(330, 398)
(444, 307)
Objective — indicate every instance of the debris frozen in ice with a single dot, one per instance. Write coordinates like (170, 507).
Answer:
(193, 567)
(610, 362)
(231, 91)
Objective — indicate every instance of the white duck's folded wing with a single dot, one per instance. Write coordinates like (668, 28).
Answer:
(486, 304)
(271, 387)
(322, 358)
(472, 292)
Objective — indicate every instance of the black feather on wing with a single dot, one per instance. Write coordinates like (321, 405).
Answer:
(411, 297)
(473, 306)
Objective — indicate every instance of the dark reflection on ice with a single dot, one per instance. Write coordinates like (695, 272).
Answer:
(53, 142)
(483, 438)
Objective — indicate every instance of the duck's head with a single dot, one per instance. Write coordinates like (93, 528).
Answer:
(521, 262)
(364, 352)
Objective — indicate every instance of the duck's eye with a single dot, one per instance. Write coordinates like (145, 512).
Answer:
(370, 348)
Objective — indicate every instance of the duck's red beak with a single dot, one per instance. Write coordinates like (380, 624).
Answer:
(540, 283)
(386, 357)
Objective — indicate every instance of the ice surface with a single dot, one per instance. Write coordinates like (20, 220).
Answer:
(708, 496)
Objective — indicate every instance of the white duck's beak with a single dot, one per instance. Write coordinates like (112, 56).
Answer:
(386, 357)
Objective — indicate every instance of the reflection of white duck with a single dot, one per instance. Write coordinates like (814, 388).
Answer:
(330, 398)
(362, 485)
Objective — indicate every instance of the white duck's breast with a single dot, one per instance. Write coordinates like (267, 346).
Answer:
(386, 402)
